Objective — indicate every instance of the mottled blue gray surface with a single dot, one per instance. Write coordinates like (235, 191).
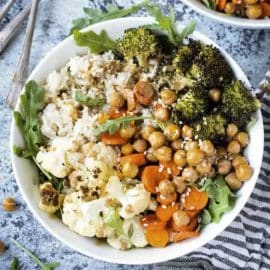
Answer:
(249, 48)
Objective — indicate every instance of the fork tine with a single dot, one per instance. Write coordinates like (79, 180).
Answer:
(6, 8)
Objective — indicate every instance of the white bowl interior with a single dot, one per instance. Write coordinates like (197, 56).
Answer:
(26, 174)
(224, 18)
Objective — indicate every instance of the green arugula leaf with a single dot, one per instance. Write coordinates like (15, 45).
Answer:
(210, 4)
(88, 101)
(167, 24)
(112, 12)
(113, 220)
(43, 266)
(97, 43)
(15, 264)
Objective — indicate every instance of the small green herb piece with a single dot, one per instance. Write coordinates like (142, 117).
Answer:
(167, 24)
(112, 12)
(15, 264)
(113, 220)
(97, 43)
(130, 230)
(113, 125)
(252, 123)
(210, 4)
(44, 266)
(88, 101)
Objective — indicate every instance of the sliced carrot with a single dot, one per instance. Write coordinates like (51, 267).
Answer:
(151, 176)
(157, 238)
(192, 213)
(152, 222)
(165, 213)
(221, 4)
(137, 159)
(116, 113)
(182, 235)
(265, 9)
(171, 168)
(196, 200)
(166, 200)
(112, 139)
(190, 227)
(144, 92)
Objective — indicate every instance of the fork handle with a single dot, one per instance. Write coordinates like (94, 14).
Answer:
(6, 8)
(21, 72)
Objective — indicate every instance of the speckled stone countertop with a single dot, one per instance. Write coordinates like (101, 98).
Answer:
(249, 48)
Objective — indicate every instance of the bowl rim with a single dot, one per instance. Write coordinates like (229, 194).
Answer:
(115, 259)
(224, 18)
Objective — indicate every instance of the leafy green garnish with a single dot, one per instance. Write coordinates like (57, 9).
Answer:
(28, 119)
(111, 12)
(44, 266)
(113, 220)
(88, 101)
(221, 198)
(167, 24)
(252, 123)
(210, 4)
(113, 125)
(15, 264)
(97, 43)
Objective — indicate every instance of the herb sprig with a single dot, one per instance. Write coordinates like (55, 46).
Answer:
(15, 264)
(88, 101)
(210, 4)
(94, 15)
(44, 266)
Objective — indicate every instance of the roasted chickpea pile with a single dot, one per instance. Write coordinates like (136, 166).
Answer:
(252, 9)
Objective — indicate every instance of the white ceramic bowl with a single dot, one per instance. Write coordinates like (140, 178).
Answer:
(224, 18)
(26, 173)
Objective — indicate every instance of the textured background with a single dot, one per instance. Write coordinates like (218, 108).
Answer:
(249, 48)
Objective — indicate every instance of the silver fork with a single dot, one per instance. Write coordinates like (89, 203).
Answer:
(21, 72)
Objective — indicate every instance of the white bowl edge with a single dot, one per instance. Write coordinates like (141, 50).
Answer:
(23, 169)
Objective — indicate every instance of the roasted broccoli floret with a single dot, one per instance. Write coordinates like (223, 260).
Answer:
(139, 43)
(211, 68)
(185, 55)
(191, 106)
(211, 127)
(238, 104)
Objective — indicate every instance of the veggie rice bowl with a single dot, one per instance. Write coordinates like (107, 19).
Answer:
(125, 160)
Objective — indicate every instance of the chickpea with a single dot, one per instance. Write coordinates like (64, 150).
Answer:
(231, 130)
(224, 166)
(232, 181)
(204, 168)
(146, 131)
(127, 149)
(179, 182)
(180, 158)
(116, 100)
(187, 132)
(177, 145)
(9, 204)
(221, 152)
(128, 132)
(190, 174)
(254, 11)
(2, 246)
(102, 117)
(234, 147)
(214, 94)
(180, 218)
(230, 8)
(166, 188)
(172, 132)
(129, 170)
(162, 114)
(190, 145)
(243, 172)
(242, 138)
(251, 2)
(194, 157)
(168, 96)
(156, 139)
(164, 153)
(238, 159)
(207, 147)
(140, 145)
(151, 155)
